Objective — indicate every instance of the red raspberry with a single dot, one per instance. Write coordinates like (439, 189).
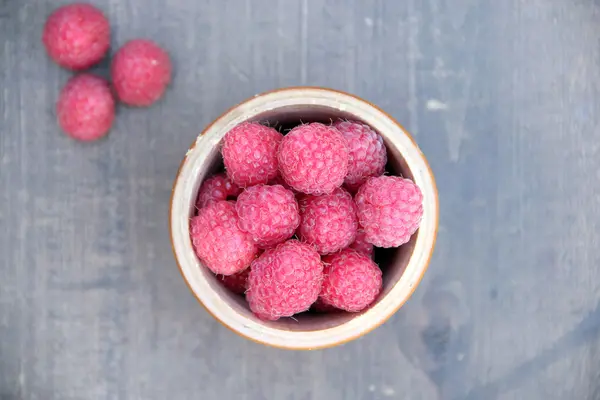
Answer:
(328, 222)
(268, 213)
(141, 72)
(218, 241)
(85, 107)
(367, 153)
(250, 153)
(361, 245)
(216, 188)
(389, 210)
(352, 281)
(236, 282)
(284, 281)
(313, 158)
(76, 36)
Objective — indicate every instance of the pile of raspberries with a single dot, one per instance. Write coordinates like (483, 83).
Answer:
(76, 37)
(293, 222)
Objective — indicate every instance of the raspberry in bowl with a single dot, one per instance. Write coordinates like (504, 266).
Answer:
(338, 208)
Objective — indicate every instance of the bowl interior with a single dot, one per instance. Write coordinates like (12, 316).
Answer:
(393, 262)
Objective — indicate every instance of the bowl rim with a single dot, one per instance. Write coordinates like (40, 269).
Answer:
(424, 265)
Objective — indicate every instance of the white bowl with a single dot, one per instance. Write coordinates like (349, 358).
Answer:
(403, 267)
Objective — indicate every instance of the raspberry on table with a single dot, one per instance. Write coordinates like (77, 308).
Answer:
(217, 240)
(352, 281)
(284, 281)
(361, 245)
(76, 36)
(367, 153)
(85, 108)
(250, 153)
(313, 158)
(216, 188)
(236, 282)
(328, 222)
(141, 72)
(268, 213)
(390, 209)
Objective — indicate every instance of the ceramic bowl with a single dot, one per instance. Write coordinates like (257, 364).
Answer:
(403, 268)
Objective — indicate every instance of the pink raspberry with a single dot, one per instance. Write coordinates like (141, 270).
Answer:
(313, 158)
(216, 188)
(250, 153)
(328, 222)
(268, 213)
(85, 108)
(389, 210)
(352, 281)
(76, 36)
(141, 72)
(367, 153)
(284, 281)
(218, 241)
(236, 282)
(361, 245)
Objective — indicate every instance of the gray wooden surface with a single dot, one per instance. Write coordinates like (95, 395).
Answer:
(502, 96)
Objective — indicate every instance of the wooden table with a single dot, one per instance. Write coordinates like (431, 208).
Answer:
(502, 96)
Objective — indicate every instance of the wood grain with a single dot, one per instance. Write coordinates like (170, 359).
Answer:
(503, 98)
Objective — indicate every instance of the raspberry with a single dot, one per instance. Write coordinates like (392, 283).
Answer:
(76, 36)
(216, 188)
(361, 245)
(236, 282)
(250, 153)
(268, 213)
(352, 281)
(85, 108)
(313, 158)
(328, 222)
(284, 281)
(367, 153)
(389, 210)
(141, 72)
(218, 241)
